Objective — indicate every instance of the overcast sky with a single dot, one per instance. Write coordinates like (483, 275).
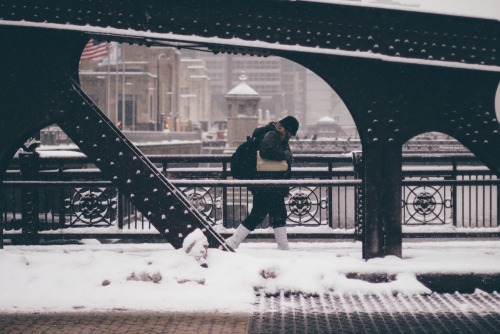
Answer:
(475, 8)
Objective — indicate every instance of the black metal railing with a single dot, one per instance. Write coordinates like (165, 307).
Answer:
(449, 191)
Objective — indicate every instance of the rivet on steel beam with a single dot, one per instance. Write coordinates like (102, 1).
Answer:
(167, 231)
(155, 190)
(137, 172)
(186, 212)
(163, 217)
(172, 208)
(129, 181)
(132, 196)
(180, 235)
(189, 226)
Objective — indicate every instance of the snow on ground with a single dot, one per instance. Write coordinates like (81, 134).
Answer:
(156, 277)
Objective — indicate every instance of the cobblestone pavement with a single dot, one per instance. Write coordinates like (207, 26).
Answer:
(125, 323)
(289, 313)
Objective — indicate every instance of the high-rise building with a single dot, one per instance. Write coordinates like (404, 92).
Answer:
(280, 83)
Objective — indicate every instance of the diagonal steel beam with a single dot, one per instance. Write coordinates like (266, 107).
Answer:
(41, 89)
(165, 206)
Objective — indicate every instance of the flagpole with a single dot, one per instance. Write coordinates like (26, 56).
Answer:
(122, 121)
(116, 90)
(108, 83)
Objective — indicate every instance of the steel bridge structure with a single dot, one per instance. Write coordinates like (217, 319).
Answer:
(400, 73)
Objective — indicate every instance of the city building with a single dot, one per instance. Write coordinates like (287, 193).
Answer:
(243, 116)
(161, 88)
(281, 83)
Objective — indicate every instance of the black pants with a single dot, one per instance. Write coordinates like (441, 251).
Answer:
(264, 203)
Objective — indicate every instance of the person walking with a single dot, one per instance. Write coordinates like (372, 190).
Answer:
(272, 143)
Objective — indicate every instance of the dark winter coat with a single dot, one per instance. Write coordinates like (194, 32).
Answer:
(271, 147)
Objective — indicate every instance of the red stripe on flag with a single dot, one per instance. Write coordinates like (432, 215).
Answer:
(92, 50)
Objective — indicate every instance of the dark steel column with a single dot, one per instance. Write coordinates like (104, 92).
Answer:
(382, 219)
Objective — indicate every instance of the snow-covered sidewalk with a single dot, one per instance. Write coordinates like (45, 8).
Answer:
(156, 277)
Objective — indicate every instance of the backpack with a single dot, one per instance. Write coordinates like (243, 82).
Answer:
(244, 160)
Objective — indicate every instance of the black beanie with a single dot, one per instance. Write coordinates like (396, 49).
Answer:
(291, 124)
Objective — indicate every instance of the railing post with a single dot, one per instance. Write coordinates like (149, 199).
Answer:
(330, 196)
(1, 218)
(454, 193)
(498, 204)
(224, 195)
(357, 160)
(29, 164)
(120, 208)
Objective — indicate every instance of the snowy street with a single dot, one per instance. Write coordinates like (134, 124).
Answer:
(316, 287)
(156, 277)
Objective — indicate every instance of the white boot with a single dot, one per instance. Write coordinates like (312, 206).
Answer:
(281, 238)
(237, 238)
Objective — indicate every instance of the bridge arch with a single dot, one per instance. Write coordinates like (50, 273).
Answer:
(285, 87)
(412, 68)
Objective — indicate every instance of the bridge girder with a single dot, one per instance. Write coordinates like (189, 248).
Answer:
(400, 73)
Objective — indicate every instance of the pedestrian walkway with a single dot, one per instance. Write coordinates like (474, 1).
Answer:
(123, 322)
(289, 313)
(354, 313)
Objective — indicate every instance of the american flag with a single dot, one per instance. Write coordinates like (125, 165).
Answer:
(94, 49)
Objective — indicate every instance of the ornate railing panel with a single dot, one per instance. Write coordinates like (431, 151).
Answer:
(91, 206)
(424, 205)
(325, 197)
